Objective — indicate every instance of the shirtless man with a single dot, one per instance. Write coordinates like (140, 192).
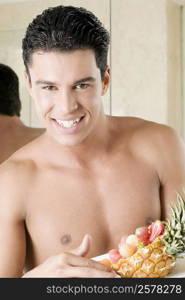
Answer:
(90, 178)
(13, 133)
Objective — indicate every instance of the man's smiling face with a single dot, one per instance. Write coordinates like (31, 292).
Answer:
(67, 89)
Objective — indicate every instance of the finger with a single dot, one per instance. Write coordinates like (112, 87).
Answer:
(78, 261)
(84, 247)
(83, 272)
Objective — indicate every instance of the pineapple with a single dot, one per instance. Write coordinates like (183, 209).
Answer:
(157, 248)
(148, 261)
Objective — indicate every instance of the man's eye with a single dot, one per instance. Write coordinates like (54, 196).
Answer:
(49, 88)
(81, 86)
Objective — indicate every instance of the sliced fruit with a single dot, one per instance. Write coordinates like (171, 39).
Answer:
(114, 255)
(142, 234)
(166, 243)
(126, 250)
(155, 229)
(132, 239)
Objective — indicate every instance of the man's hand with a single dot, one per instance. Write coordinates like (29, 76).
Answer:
(72, 264)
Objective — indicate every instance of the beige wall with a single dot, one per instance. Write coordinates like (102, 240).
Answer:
(139, 49)
(183, 69)
(145, 54)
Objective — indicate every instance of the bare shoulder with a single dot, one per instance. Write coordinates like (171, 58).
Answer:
(159, 144)
(19, 169)
(15, 174)
(14, 166)
(140, 132)
(156, 138)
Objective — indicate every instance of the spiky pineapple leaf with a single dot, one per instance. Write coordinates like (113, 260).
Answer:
(174, 235)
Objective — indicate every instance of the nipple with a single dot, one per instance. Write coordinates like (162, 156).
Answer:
(66, 239)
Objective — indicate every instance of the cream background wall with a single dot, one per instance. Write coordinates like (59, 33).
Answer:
(183, 70)
(145, 54)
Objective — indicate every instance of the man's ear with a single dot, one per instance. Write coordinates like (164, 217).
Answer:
(106, 81)
(28, 82)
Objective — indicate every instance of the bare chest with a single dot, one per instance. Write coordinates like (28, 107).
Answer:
(64, 207)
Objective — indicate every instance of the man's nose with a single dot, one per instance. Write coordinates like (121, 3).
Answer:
(66, 102)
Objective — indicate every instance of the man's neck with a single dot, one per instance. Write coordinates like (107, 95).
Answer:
(94, 148)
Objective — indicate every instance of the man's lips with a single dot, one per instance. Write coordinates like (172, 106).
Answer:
(68, 123)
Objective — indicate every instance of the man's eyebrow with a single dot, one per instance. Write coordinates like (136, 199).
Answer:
(40, 81)
(45, 82)
(92, 79)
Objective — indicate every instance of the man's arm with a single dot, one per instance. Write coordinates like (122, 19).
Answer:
(171, 166)
(164, 150)
(12, 230)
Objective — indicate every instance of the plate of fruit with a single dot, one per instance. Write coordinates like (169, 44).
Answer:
(157, 250)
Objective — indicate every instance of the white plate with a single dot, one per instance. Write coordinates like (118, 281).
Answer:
(100, 257)
(178, 271)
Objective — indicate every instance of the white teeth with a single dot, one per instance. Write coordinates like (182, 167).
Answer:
(68, 124)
